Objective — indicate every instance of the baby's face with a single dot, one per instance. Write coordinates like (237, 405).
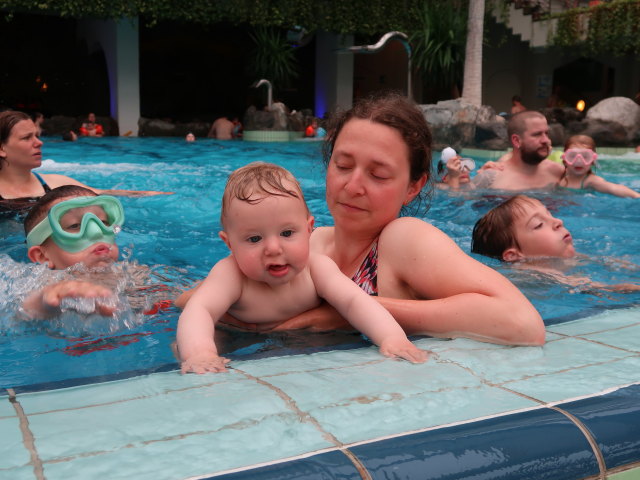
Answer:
(539, 234)
(270, 238)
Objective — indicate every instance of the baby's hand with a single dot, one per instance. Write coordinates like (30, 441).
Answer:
(403, 348)
(453, 166)
(204, 363)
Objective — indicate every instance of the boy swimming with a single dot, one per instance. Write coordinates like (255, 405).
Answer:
(521, 229)
(271, 276)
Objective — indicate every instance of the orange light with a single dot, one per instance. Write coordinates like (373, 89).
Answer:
(44, 87)
(580, 105)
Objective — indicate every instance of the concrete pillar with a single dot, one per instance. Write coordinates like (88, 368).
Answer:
(334, 72)
(119, 41)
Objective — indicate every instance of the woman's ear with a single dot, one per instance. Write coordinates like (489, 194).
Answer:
(512, 255)
(415, 188)
(37, 254)
(225, 238)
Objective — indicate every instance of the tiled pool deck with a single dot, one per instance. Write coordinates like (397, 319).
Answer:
(568, 410)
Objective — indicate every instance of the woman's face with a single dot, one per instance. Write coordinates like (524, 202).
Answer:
(368, 175)
(23, 147)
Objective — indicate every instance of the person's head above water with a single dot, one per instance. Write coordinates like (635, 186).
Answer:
(521, 228)
(528, 133)
(407, 126)
(18, 138)
(70, 225)
(265, 219)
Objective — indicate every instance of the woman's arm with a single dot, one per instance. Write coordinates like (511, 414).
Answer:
(55, 180)
(438, 290)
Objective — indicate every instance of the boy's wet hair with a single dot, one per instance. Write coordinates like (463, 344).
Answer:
(257, 180)
(43, 205)
(493, 234)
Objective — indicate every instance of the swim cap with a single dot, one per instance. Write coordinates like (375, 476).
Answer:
(447, 154)
(78, 232)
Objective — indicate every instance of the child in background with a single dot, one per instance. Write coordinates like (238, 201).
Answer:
(458, 170)
(270, 275)
(521, 229)
(578, 158)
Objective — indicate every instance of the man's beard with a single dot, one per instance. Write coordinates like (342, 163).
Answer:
(532, 157)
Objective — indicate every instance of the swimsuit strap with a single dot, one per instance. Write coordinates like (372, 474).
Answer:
(367, 275)
(46, 187)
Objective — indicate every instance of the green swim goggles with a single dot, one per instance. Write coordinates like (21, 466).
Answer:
(74, 226)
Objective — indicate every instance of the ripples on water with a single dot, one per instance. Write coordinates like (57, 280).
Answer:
(177, 237)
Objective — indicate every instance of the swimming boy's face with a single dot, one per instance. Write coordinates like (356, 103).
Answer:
(269, 239)
(99, 254)
(539, 234)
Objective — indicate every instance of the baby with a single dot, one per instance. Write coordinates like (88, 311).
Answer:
(579, 157)
(271, 275)
(522, 229)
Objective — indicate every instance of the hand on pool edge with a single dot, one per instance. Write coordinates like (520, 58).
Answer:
(403, 348)
(206, 363)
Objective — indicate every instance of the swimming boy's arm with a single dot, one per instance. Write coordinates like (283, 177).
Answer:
(45, 303)
(599, 184)
(196, 326)
(362, 311)
(454, 295)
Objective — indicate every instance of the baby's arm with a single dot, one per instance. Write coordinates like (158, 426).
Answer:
(599, 184)
(45, 303)
(196, 326)
(362, 311)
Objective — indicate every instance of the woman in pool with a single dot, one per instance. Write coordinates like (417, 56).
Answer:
(378, 158)
(20, 153)
(579, 158)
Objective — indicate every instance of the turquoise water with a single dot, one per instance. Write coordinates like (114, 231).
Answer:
(178, 236)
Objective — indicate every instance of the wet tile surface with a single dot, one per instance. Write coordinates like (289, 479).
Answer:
(473, 407)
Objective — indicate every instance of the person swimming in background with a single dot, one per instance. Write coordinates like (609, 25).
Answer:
(458, 169)
(521, 229)
(271, 276)
(90, 128)
(20, 154)
(190, 137)
(579, 158)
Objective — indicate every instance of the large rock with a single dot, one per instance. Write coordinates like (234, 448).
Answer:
(461, 124)
(621, 110)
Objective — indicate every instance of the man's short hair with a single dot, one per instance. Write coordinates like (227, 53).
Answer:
(518, 122)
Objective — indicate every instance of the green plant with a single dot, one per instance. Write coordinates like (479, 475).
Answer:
(439, 41)
(273, 58)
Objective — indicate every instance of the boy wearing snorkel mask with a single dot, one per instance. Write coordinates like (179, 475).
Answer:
(579, 157)
(72, 225)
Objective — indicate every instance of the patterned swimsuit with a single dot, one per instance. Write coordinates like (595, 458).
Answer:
(367, 275)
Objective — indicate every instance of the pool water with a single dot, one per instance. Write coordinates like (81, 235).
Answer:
(177, 236)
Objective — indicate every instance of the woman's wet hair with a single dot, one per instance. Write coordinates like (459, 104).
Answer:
(43, 205)
(8, 120)
(403, 115)
(493, 234)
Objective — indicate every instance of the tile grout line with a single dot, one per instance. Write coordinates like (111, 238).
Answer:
(308, 418)
(587, 434)
(27, 436)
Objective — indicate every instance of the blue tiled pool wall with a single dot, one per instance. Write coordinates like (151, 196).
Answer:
(581, 439)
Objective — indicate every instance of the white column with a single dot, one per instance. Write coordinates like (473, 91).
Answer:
(334, 72)
(119, 41)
